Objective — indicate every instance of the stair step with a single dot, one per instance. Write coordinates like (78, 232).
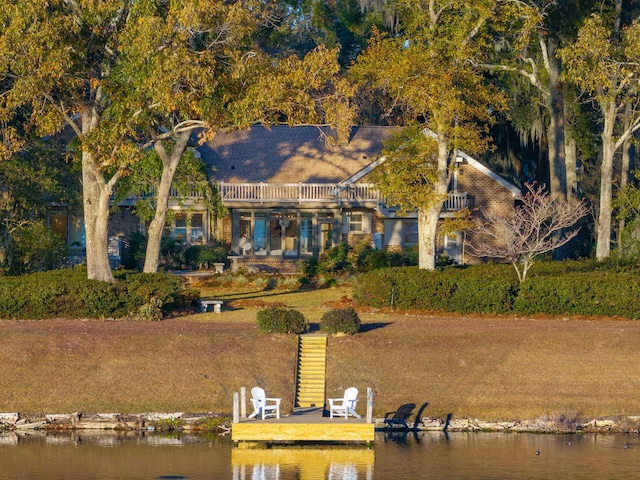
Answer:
(318, 384)
(312, 363)
(312, 367)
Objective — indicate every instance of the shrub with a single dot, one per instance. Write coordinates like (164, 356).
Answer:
(335, 260)
(203, 257)
(151, 311)
(36, 249)
(584, 288)
(281, 320)
(68, 293)
(135, 247)
(450, 289)
(343, 320)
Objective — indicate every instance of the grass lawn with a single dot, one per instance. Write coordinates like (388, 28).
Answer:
(483, 367)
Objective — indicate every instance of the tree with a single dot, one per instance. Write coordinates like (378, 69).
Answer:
(541, 111)
(126, 74)
(427, 71)
(627, 207)
(604, 64)
(521, 237)
(31, 181)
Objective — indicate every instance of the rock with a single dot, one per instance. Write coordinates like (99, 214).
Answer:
(9, 419)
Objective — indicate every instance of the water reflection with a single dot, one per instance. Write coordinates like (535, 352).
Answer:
(412, 455)
(303, 463)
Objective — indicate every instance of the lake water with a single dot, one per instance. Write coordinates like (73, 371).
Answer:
(138, 456)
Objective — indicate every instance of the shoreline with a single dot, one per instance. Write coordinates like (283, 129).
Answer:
(210, 422)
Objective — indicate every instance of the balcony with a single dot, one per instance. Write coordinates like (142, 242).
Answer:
(312, 194)
(299, 194)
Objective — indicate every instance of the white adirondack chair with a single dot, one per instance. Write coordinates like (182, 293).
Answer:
(262, 405)
(344, 406)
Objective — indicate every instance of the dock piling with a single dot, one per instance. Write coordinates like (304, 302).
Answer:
(243, 402)
(236, 409)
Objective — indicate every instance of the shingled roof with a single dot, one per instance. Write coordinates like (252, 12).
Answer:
(283, 154)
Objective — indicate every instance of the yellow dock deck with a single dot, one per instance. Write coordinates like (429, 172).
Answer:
(305, 425)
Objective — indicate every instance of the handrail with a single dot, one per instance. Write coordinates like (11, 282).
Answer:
(317, 192)
(298, 192)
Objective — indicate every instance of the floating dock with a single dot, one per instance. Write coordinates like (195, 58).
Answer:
(305, 425)
(310, 421)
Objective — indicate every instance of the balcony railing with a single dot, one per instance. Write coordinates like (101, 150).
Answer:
(298, 193)
(455, 202)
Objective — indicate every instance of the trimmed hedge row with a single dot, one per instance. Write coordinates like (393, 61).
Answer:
(68, 293)
(559, 288)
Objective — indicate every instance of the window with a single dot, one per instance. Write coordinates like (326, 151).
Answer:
(306, 234)
(356, 222)
(186, 228)
(410, 232)
(197, 229)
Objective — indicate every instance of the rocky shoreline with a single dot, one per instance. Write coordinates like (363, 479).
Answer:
(210, 422)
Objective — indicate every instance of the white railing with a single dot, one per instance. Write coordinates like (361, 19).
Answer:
(298, 192)
(455, 202)
(316, 192)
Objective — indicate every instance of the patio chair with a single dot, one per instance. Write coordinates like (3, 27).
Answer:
(346, 405)
(264, 406)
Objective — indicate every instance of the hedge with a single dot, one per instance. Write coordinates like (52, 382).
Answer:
(281, 320)
(556, 288)
(340, 320)
(68, 294)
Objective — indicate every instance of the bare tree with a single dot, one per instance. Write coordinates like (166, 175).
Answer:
(521, 236)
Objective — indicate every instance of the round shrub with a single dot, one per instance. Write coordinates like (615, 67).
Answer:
(281, 320)
(343, 320)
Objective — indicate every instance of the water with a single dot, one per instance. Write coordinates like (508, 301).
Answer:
(137, 456)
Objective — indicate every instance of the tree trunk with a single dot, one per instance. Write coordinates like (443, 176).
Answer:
(556, 137)
(427, 228)
(169, 166)
(603, 226)
(428, 217)
(625, 169)
(95, 196)
(570, 157)
(555, 130)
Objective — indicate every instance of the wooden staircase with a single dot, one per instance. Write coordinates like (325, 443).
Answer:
(312, 361)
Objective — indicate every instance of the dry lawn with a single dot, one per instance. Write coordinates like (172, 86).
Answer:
(487, 368)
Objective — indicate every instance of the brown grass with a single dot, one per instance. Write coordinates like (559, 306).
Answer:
(484, 367)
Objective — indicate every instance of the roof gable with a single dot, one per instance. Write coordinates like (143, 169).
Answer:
(460, 156)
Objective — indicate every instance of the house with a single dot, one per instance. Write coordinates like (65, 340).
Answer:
(293, 193)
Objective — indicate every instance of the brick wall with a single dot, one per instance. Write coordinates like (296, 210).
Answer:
(123, 222)
(485, 195)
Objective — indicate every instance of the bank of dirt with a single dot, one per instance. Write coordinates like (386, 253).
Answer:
(564, 370)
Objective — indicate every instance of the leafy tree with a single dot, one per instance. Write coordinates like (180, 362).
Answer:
(125, 75)
(626, 204)
(542, 106)
(521, 237)
(31, 181)
(427, 70)
(603, 62)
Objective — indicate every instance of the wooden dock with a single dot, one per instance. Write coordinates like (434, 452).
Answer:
(305, 425)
